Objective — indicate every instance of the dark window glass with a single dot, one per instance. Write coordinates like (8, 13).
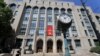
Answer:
(86, 33)
(29, 42)
(89, 42)
(77, 43)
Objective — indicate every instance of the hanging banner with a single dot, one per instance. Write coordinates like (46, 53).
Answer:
(49, 30)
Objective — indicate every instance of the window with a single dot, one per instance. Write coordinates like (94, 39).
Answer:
(56, 3)
(28, 10)
(70, 44)
(33, 24)
(32, 27)
(89, 42)
(83, 12)
(86, 20)
(29, 1)
(24, 21)
(41, 27)
(22, 31)
(58, 33)
(35, 16)
(77, 43)
(86, 32)
(98, 19)
(19, 0)
(41, 31)
(36, 2)
(78, 10)
(50, 18)
(29, 42)
(82, 23)
(24, 25)
(13, 7)
(43, 2)
(62, 10)
(56, 11)
(69, 11)
(90, 30)
(41, 23)
(32, 31)
(42, 10)
(18, 6)
(49, 11)
(49, 3)
(42, 16)
(16, 12)
(96, 41)
(35, 10)
(62, 4)
(68, 4)
(73, 28)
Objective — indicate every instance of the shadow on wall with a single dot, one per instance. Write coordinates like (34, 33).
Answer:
(96, 31)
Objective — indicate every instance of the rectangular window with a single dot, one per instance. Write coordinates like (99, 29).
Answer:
(35, 11)
(69, 41)
(29, 42)
(58, 33)
(41, 23)
(69, 44)
(33, 24)
(22, 31)
(86, 33)
(41, 31)
(32, 31)
(49, 12)
(77, 43)
(82, 23)
(83, 13)
(19, 0)
(96, 42)
(73, 28)
(49, 18)
(16, 12)
(78, 10)
(32, 27)
(89, 42)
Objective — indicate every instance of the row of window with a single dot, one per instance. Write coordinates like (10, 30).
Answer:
(49, 16)
(41, 19)
(87, 24)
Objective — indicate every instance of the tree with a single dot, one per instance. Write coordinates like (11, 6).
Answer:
(7, 34)
(95, 49)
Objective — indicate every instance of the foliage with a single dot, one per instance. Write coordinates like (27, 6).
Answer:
(95, 49)
(7, 34)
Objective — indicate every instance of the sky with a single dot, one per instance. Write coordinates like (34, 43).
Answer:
(94, 4)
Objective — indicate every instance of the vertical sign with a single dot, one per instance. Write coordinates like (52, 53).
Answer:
(49, 30)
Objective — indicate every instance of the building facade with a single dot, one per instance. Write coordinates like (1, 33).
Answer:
(35, 23)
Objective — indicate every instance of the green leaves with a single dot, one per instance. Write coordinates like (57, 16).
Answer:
(5, 15)
(7, 34)
(95, 49)
(2, 4)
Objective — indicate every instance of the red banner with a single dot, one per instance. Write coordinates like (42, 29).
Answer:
(49, 30)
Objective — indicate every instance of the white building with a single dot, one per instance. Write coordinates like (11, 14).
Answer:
(35, 24)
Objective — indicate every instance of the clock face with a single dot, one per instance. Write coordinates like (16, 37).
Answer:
(64, 18)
